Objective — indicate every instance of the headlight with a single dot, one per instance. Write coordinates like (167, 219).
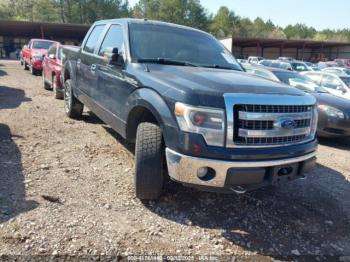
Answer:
(314, 122)
(331, 111)
(209, 122)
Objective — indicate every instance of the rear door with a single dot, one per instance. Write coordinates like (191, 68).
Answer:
(88, 60)
(113, 88)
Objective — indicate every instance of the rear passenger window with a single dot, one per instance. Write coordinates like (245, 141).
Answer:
(93, 38)
(114, 38)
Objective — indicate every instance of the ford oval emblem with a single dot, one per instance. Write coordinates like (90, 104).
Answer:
(288, 124)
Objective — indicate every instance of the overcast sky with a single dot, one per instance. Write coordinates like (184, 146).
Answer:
(321, 14)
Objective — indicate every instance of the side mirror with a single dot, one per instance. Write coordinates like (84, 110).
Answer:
(112, 56)
(52, 56)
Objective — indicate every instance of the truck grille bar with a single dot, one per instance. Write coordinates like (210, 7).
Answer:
(253, 124)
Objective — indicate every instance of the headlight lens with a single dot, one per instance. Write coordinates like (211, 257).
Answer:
(331, 111)
(209, 122)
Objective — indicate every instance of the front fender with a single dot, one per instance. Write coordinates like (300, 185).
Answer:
(151, 100)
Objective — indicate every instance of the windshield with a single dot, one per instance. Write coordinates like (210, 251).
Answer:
(299, 81)
(299, 67)
(346, 80)
(155, 43)
(41, 45)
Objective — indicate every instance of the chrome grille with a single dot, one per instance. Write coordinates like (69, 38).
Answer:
(262, 124)
(276, 108)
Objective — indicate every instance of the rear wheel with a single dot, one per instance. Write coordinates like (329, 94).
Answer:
(56, 92)
(72, 106)
(149, 162)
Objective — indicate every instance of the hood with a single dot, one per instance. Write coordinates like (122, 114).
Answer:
(216, 81)
(334, 101)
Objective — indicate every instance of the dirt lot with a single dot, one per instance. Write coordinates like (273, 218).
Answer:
(66, 187)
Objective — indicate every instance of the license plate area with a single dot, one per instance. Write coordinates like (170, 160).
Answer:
(284, 173)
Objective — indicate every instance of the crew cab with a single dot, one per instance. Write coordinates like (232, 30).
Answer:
(32, 55)
(52, 70)
(192, 112)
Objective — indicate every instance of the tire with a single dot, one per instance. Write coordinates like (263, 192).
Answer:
(26, 67)
(149, 162)
(47, 86)
(33, 70)
(56, 93)
(72, 106)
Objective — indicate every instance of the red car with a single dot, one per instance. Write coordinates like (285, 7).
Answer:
(343, 62)
(33, 53)
(52, 65)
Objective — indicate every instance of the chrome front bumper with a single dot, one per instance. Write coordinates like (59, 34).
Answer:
(183, 168)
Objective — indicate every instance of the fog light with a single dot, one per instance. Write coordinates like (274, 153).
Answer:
(202, 172)
(206, 173)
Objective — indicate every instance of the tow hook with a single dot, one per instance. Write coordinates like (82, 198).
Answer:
(238, 190)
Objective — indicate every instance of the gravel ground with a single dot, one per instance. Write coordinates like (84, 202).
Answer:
(66, 188)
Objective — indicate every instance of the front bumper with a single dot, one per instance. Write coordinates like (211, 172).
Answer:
(37, 64)
(333, 127)
(249, 174)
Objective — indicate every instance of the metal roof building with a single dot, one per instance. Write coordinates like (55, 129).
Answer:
(15, 34)
(299, 49)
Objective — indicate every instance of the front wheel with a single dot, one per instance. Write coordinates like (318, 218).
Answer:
(72, 106)
(33, 71)
(56, 92)
(149, 162)
(47, 86)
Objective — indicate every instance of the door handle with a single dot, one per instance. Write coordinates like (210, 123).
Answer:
(93, 68)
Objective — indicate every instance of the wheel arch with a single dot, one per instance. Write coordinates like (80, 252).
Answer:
(146, 105)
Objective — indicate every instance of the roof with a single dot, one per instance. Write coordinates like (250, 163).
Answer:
(285, 43)
(147, 21)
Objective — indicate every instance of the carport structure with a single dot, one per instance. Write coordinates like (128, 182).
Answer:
(299, 49)
(14, 34)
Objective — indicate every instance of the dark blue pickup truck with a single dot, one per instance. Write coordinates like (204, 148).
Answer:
(192, 112)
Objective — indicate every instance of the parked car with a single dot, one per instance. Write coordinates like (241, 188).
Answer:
(32, 55)
(254, 59)
(333, 111)
(335, 84)
(52, 65)
(243, 62)
(183, 98)
(312, 66)
(337, 70)
(343, 62)
(286, 59)
(322, 65)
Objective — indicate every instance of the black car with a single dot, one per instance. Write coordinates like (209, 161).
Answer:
(189, 107)
(333, 111)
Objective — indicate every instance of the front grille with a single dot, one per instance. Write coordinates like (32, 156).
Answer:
(275, 108)
(263, 124)
(268, 125)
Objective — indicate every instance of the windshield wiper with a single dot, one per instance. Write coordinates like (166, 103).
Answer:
(223, 67)
(165, 61)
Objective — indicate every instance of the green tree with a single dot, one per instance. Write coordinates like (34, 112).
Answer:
(223, 22)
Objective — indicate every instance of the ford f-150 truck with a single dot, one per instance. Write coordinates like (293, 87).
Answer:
(193, 113)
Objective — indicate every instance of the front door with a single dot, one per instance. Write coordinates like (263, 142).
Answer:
(112, 85)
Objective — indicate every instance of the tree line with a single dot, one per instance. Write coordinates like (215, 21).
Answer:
(224, 23)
